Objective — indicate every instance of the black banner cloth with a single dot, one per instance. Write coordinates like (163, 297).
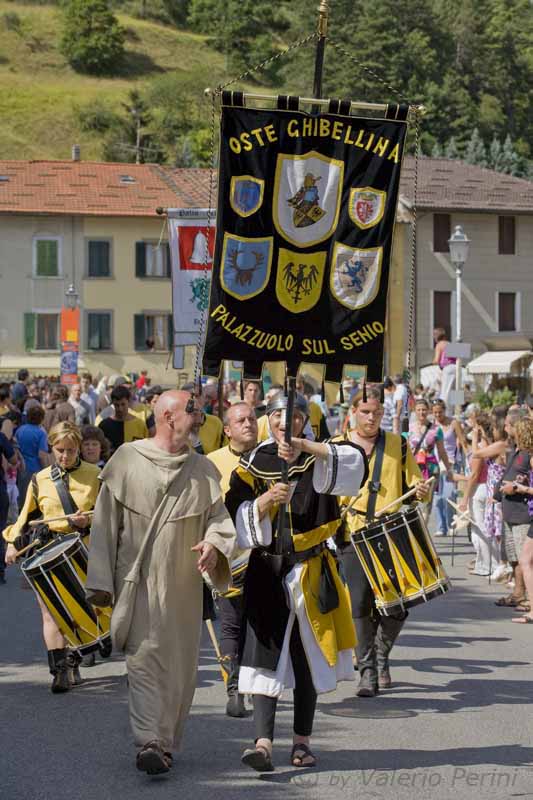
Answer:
(306, 209)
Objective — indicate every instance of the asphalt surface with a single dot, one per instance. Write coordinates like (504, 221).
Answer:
(457, 724)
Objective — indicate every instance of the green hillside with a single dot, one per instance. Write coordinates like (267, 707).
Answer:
(41, 96)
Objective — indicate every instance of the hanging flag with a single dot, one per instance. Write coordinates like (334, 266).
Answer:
(70, 345)
(191, 254)
(306, 209)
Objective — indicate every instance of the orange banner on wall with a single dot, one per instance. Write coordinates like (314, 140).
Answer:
(70, 344)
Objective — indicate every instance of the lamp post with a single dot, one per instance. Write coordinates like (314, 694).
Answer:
(70, 337)
(459, 245)
(71, 297)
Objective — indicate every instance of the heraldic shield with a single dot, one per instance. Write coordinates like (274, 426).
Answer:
(246, 194)
(355, 275)
(366, 206)
(299, 279)
(307, 196)
(246, 265)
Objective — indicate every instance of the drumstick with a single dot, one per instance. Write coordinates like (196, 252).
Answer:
(35, 522)
(462, 515)
(410, 493)
(214, 642)
(35, 543)
(350, 504)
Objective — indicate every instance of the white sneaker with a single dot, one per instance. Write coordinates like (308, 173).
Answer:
(439, 533)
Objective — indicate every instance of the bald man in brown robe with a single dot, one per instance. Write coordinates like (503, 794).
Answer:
(159, 522)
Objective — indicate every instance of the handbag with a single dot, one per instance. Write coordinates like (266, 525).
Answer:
(328, 596)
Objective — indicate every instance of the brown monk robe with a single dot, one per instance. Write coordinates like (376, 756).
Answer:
(159, 508)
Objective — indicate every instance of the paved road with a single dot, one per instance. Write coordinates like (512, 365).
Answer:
(457, 725)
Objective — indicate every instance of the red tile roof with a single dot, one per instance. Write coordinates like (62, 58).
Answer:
(104, 189)
(88, 188)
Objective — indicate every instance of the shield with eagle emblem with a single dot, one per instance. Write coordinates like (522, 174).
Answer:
(299, 279)
(307, 195)
(355, 275)
(246, 264)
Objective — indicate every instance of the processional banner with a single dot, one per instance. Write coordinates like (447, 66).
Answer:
(192, 242)
(306, 208)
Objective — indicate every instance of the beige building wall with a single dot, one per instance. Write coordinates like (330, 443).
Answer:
(20, 290)
(485, 274)
(126, 295)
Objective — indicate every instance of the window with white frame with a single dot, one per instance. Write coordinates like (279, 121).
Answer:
(47, 257)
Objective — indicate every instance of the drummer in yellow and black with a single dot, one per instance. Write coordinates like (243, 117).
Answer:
(43, 502)
(392, 472)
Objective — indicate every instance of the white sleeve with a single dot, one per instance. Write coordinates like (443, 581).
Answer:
(252, 531)
(341, 473)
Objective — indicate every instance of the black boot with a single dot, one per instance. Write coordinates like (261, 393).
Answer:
(235, 706)
(388, 632)
(365, 651)
(73, 663)
(57, 661)
(89, 660)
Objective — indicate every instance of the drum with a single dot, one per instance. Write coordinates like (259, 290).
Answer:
(400, 561)
(57, 574)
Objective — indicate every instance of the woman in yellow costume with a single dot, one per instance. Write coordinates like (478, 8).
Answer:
(43, 501)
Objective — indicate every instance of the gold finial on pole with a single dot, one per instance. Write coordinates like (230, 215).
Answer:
(323, 14)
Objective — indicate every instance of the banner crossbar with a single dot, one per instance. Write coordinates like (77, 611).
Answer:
(323, 101)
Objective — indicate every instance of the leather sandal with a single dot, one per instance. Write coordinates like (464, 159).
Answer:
(258, 758)
(509, 602)
(298, 760)
(152, 759)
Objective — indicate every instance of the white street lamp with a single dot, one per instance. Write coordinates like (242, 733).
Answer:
(71, 297)
(459, 245)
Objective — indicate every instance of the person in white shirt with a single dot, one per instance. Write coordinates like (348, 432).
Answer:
(401, 412)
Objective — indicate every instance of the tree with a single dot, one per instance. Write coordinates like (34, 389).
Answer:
(495, 154)
(177, 11)
(475, 152)
(451, 150)
(436, 151)
(131, 138)
(510, 161)
(244, 30)
(92, 39)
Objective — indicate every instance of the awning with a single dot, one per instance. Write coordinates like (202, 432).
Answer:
(502, 362)
(35, 364)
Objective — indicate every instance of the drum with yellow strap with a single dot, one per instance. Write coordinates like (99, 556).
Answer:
(400, 561)
(57, 574)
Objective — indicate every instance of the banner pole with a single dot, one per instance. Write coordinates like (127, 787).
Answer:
(323, 15)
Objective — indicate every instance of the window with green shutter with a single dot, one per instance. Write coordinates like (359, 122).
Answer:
(29, 331)
(47, 332)
(99, 330)
(47, 258)
(152, 260)
(98, 259)
(153, 332)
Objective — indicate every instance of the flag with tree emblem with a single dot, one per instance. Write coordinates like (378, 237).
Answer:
(191, 242)
(305, 219)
